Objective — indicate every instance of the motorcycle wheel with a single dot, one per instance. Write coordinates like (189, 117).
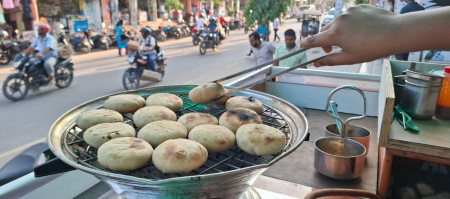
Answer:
(131, 79)
(4, 59)
(195, 41)
(176, 35)
(15, 87)
(63, 77)
(202, 48)
(161, 70)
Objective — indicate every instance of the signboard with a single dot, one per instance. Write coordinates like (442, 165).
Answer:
(142, 16)
(28, 35)
(80, 26)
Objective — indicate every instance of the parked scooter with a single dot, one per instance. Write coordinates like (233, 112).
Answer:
(9, 50)
(140, 69)
(98, 40)
(80, 43)
(31, 75)
(159, 34)
(173, 31)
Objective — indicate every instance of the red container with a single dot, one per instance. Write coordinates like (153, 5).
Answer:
(443, 107)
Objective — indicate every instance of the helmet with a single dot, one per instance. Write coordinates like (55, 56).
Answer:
(212, 19)
(44, 27)
(145, 32)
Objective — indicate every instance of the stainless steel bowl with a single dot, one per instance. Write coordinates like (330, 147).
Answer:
(339, 158)
(224, 175)
(354, 132)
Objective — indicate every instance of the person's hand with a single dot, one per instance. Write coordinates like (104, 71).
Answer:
(362, 32)
(38, 56)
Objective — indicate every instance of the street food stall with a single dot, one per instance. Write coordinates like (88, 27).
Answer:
(295, 102)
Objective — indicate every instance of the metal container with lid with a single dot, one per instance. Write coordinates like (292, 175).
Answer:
(420, 94)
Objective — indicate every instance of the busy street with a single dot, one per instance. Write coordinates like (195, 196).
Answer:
(224, 99)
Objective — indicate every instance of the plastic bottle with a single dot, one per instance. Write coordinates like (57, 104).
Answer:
(443, 107)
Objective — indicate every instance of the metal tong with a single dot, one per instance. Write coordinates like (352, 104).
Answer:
(268, 77)
(343, 131)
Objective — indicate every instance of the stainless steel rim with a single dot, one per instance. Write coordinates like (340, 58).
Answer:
(64, 125)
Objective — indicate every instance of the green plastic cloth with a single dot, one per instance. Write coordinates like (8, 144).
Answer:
(404, 119)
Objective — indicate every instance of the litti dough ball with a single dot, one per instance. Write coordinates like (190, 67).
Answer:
(237, 117)
(205, 93)
(101, 133)
(157, 132)
(98, 116)
(179, 156)
(124, 103)
(168, 100)
(125, 153)
(150, 114)
(192, 120)
(244, 102)
(214, 138)
(260, 139)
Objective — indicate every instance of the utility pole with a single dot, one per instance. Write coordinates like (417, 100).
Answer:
(133, 12)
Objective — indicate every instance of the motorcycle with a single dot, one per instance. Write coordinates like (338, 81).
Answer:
(173, 31)
(98, 40)
(81, 43)
(196, 36)
(140, 70)
(208, 42)
(159, 34)
(9, 50)
(185, 31)
(31, 75)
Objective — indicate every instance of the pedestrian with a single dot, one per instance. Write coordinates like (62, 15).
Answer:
(262, 30)
(411, 6)
(372, 31)
(288, 47)
(122, 38)
(262, 51)
(276, 24)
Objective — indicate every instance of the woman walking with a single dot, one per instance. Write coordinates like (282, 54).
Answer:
(122, 39)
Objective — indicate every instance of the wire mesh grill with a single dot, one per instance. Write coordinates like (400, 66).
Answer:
(232, 159)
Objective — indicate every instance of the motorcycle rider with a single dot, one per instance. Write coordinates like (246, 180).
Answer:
(148, 43)
(46, 46)
(313, 26)
(212, 26)
(200, 23)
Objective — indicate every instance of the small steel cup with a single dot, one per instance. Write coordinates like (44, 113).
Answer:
(354, 132)
(339, 158)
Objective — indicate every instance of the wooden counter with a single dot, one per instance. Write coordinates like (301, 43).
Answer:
(298, 167)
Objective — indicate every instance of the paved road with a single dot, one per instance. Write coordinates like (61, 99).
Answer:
(27, 122)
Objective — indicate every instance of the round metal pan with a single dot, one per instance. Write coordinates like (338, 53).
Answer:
(223, 184)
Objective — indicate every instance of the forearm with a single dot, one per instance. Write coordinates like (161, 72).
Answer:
(425, 30)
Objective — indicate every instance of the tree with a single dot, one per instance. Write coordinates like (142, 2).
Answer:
(263, 11)
(357, 2)
(173, 4)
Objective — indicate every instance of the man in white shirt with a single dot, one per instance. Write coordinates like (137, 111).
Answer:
(313, 26)
(276, 24)
(200, 22)
(262, 51)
